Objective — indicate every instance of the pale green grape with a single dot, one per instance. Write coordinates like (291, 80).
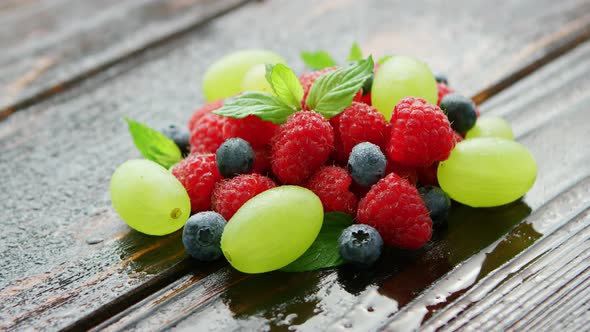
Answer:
(149, 198)
(272, 229)
(490, 126)
(224, 77)
(401, 77)
(255, 80)
(488, 171)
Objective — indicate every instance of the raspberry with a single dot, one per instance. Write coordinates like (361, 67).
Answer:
(307, 80)
(420, 133)
(229, 195)
(261, 160)
(251, 128)
(357, 124)
(394, 207)
(405, 172)
(443, 90)
(208, 108)
(427, 175)
(331, 184)
(301, 146)
(198, 174)
(206, 135)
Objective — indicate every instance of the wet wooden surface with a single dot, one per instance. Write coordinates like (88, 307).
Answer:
(49, 45)
(57, 156)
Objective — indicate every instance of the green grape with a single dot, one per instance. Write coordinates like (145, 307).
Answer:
(255, 80)
(401, 77)
(224, 77)
(272, 229)
(149, 198)
(487, 171)
(490, 126)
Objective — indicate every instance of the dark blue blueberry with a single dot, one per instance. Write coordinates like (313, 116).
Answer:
(441, 78)
(180, 136)
(235, 156)
(366, 164)
(360, 245)
(201, 235)
(460, 110)
(437, 202)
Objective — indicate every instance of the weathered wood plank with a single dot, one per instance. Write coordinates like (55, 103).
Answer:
(57, 158)
(50, 45)
(333, 293)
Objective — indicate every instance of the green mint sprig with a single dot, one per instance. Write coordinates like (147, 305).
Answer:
(323, 253)
(268, 107)
(355, 53)
(331, 93)
(154, 145)
(318, 60)
(285, 84)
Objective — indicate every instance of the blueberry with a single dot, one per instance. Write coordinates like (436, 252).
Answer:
(366, 164)
(437, 202)
(202, 235)
(441, 78)
(235, 156)
(460, 110)
(360, 245)
(180, 136)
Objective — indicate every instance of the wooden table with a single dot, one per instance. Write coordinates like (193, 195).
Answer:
(70, 70)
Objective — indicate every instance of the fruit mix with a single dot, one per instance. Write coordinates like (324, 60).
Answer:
(310, 172)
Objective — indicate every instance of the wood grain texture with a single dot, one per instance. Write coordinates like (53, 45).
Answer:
(90, 114)
(57, 158)
(50, 45)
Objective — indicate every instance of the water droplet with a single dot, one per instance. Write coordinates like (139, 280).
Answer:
(94, 240)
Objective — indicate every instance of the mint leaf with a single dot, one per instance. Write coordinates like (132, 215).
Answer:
(285, 84)
(261, 104)
(317, 60)
(154, 145)
(356, 53)
(331, 93)
(383, 59)
(323, 253)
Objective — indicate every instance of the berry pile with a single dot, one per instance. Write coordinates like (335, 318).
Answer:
(368, 143)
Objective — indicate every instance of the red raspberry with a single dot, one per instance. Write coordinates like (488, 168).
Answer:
(394, 207)
(207, 135)
(366, 99)
(229, 195)
(198, 174)
(331, 184)
(358, 123)
(208, 108)
(261, 160)
(443, 90)
(420, 133)
(301, 146)
(251, 128)
(427, 176)
(404, 172)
